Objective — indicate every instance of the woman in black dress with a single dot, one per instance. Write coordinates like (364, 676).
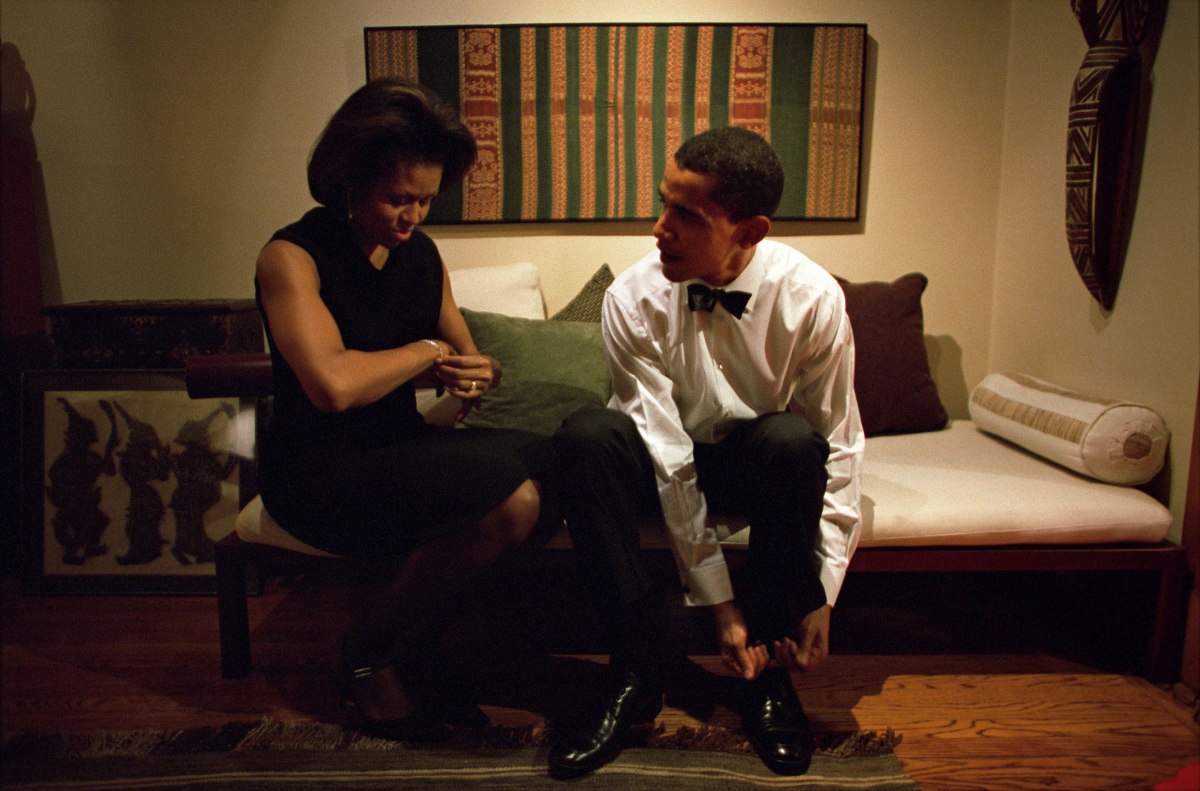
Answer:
(358, 311)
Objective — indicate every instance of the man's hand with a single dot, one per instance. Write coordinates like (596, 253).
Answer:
(807, 648)
(745, 660)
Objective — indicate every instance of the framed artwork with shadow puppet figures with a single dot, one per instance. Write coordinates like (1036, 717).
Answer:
(127, 482)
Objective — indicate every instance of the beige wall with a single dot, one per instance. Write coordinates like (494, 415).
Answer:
(1043, 321)
(173, 136)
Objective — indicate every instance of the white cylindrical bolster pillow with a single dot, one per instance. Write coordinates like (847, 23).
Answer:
(1112, 441)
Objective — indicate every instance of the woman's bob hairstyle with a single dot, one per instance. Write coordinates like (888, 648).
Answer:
(384, 122)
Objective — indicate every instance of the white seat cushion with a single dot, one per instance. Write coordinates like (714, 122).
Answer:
(962, 487)
(255, 526)
(955, 487)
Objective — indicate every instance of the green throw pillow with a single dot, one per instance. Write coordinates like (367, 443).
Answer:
(585, 306)
(551, 369)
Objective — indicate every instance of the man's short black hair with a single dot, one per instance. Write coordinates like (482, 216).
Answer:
(748, 174)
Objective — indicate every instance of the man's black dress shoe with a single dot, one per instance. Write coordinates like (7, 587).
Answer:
(630, 701)
(776, 725)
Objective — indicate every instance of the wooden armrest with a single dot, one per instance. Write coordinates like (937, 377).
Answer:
(222, 375)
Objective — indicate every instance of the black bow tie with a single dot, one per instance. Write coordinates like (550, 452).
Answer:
(701, 297)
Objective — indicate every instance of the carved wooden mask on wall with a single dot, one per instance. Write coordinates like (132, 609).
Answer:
(1105, 135)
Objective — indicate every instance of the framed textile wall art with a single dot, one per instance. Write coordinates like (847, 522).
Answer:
(127, 482)
(575, 122)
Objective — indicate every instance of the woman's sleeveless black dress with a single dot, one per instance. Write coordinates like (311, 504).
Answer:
(377, 481)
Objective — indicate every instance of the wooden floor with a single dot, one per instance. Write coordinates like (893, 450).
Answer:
(967, 721)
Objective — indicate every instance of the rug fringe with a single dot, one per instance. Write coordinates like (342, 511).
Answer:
(273, 734)
(859, 744)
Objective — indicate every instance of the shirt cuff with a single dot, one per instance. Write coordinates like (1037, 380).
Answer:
(831, 581)
(704, 586)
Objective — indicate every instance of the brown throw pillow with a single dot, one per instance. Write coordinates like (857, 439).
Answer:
(895, 389)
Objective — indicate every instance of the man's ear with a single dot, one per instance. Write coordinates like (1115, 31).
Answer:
(753, 230)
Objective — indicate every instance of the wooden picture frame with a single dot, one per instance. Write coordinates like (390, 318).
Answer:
(127, 482)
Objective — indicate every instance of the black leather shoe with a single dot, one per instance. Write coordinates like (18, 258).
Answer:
(630, 701)
(775, 723)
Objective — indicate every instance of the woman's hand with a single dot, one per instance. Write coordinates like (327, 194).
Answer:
(468, 376)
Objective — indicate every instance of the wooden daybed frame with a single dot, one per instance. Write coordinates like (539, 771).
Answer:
(249, 376)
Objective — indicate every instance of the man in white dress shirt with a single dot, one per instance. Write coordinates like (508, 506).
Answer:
(732, 366)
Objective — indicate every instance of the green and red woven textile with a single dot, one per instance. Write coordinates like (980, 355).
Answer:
(576, 122)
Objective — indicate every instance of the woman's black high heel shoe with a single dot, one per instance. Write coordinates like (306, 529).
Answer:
(380, 705)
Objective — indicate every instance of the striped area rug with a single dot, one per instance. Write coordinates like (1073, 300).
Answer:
(576, 121)
(275, 755)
